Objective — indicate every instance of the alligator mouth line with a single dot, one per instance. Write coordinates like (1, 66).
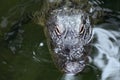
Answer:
(73, 67)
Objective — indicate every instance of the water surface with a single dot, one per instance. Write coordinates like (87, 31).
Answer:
(26, 55)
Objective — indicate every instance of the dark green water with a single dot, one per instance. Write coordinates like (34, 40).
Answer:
(27, 57)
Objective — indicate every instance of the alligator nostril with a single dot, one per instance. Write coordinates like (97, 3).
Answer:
(67, 50)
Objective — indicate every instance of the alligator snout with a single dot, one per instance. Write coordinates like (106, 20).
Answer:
(74, 67)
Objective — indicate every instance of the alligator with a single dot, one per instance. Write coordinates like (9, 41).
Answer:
(69, 31)
(68, 27)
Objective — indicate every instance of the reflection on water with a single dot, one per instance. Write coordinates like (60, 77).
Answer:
(4, 22)
(107, 57)
(68, 77)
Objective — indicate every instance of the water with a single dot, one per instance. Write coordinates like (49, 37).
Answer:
(27, 57)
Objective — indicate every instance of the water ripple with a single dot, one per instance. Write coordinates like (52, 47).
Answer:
(108, 53)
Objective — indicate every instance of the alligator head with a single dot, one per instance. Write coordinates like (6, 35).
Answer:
(69, 31)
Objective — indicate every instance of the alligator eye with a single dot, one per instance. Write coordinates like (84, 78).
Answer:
(58, 30)
(82, 29)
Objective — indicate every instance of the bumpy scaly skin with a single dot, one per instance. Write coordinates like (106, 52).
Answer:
(70, 31)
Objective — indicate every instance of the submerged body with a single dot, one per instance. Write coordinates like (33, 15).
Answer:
(70, 31)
